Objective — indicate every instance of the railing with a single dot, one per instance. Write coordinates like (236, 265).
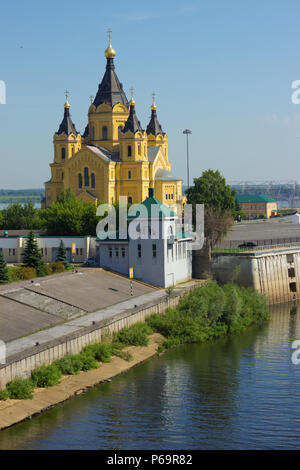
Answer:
(259, 243)
(257, 248)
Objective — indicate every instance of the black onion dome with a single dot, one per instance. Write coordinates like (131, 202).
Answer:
(154, 126)
(110, 90)
(67, 126)
(132, 124)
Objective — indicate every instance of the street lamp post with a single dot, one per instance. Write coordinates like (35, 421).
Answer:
(187, 132)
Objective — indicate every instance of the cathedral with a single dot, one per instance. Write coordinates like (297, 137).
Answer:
(115, 156)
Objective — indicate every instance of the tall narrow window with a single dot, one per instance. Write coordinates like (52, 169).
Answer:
(104, 133)
(129, 150)
(93, 180)
(86, 177)
(63, 153)
(139, 250)
(154, 250)
(79, 180)
(93, 133)
(129, 200)
(129, 175)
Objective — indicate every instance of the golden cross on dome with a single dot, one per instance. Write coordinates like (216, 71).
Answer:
(67, 95)
(153, 98)
(91, 99)
(131, 92)
(109, 31)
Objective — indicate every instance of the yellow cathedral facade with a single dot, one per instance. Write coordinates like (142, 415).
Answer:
(114, 156)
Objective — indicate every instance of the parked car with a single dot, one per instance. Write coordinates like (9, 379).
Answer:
(247, 245)
(89, 262)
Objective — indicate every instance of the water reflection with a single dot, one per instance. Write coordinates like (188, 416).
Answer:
(238, 392)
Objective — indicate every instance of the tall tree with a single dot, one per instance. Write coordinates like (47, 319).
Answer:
(32, 256)
(211, 190)
(3, 269)
(70, 216)
(62, 254)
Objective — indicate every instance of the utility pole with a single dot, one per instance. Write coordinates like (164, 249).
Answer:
(187, 132)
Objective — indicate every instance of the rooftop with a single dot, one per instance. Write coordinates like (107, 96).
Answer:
(244, 198)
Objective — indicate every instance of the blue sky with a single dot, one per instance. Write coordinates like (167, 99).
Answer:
(221, 68)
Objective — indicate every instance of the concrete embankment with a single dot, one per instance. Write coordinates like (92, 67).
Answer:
(15, 411)
(274, 272)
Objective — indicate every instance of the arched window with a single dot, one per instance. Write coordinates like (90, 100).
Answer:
(63, 153)
(93, 180)
(73, 149)
(79, 180)
(129, 175)
(86, 177)
(129, 150)
(93, 133)
(104, 133)
(129, 200)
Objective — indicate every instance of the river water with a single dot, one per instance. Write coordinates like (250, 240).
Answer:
(241, 392)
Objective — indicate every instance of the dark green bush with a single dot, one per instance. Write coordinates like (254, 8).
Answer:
(88, 361)
(136, 335)
(21, 389)
(70, 364)
(4, 395)
(46, 376)
(100, 351)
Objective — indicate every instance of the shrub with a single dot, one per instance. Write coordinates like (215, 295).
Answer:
(88, 361)
(70, 364)
(23, 273)
(210, 312)
(48, 269)
(46, 376)
(100, 351)
(21, 389)
(57, 267)
(136, 335)
(4, 395)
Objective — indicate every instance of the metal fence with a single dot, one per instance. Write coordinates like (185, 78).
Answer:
(258, 248)
(259, 243)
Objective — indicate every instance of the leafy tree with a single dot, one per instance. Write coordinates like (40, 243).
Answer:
(3, 269)
(32, 257)
(211, 190)
(20, 217)
(13, 217)
(70, 216)
(62, 254)
(2, 220)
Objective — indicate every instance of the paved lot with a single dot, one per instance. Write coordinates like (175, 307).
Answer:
(28, 307)
(18, 320)
(277, 229)
(91, 290)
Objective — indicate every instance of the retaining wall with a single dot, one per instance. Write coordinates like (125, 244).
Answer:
(21, 365)
(275, 273)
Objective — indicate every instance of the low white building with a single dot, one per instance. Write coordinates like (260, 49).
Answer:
(13, 247)
(159, 253)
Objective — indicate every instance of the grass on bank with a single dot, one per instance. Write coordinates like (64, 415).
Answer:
(205, 313)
